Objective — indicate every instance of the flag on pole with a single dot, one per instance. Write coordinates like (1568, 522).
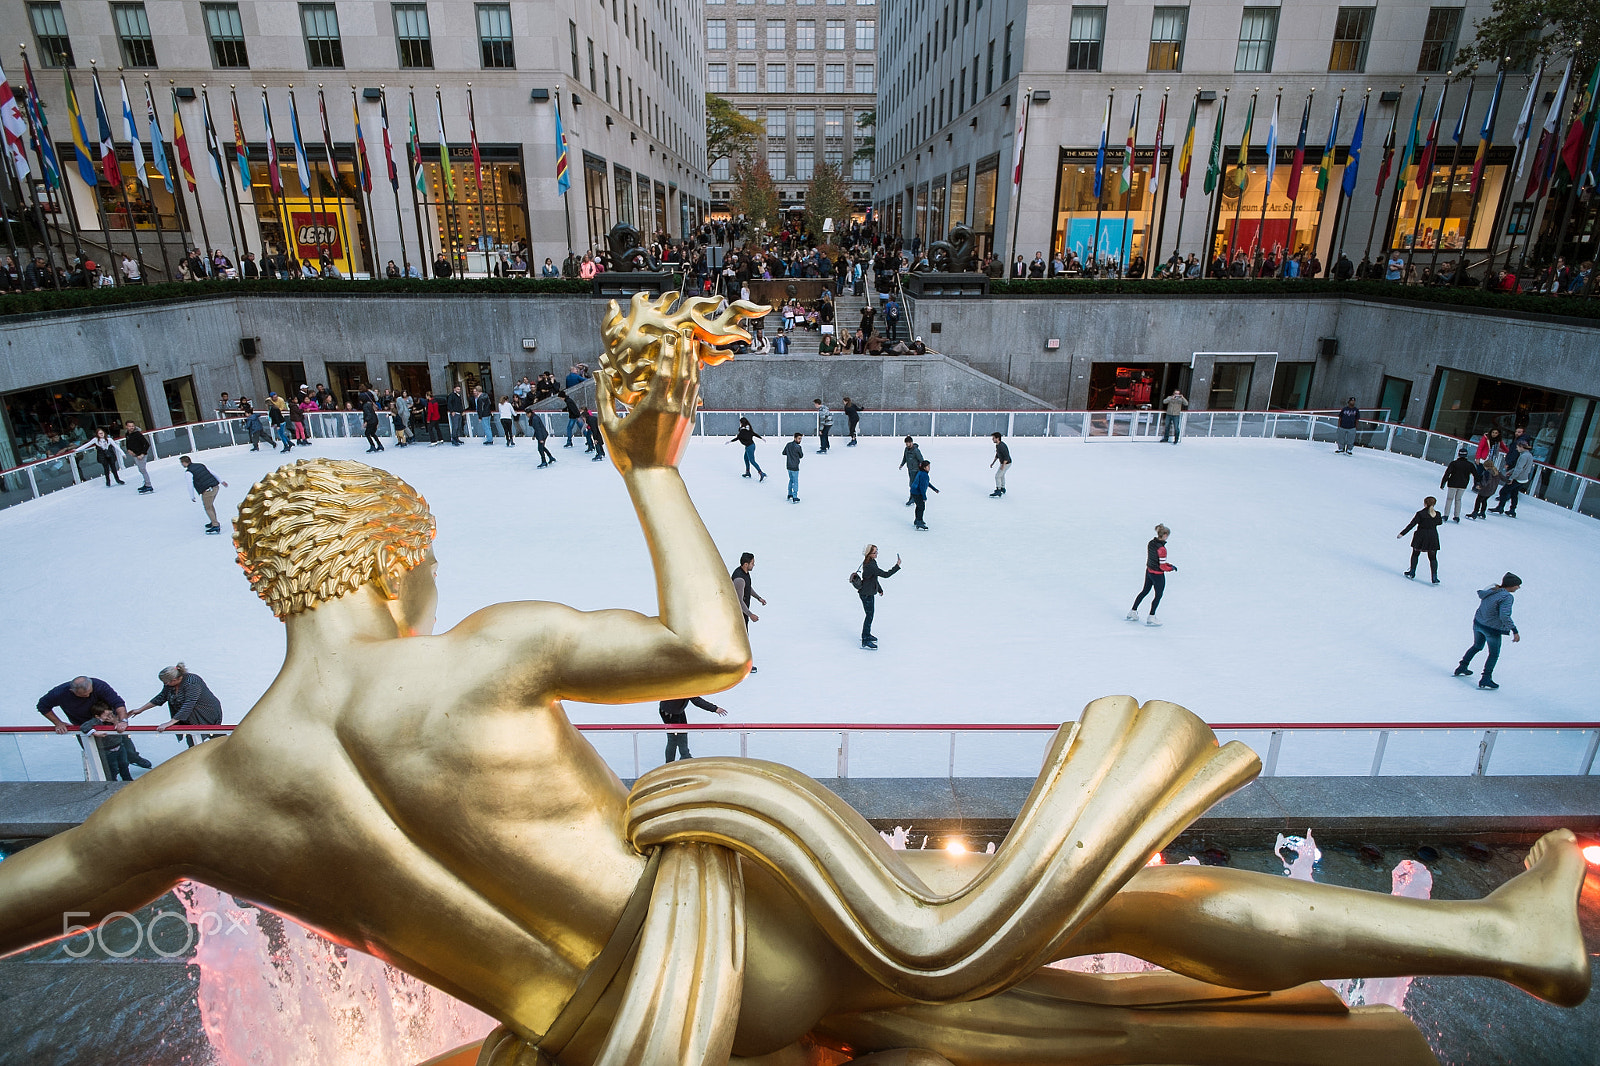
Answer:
(1186, 153)
(1100, 157)
(388, 147)
(472, 130)
(446, 170)
(1572, 154)
(1388, 153)
(213, 144)
(1155, 162)
(42, 145)
(80, 135)
(106, 148)
(14, 122)
(563, 179)
(1411, 143)
(1431, 145)
(158, 147)
(1486, 134)
(1126, 181)
(363, 167)
(1326, 167)
(301, 163)
(131, 132)
(180, 144)
(1539, 179)
(419, 177)
(1272, 143)
(1353, 165)
(1519, 136)
(1241, 176)
(241, 151)
(1214, 166)
(1022, 136)
(327, 141)
(274, 172)
(1299, 159)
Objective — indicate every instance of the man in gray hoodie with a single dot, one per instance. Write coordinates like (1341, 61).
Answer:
(1489, 625)
(1519, 478)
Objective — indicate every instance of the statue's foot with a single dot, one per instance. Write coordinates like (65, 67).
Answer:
(1547, 954)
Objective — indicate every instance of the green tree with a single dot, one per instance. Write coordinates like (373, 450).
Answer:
(755, 195)
(826, 197)
(1523, 32)
(866, 135)
(729, 134)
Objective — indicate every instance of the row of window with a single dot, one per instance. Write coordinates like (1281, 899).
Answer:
(800, 3)
(747, 80)
(319, 22)
(799, 167)
(1258, 35)
(805, 35)
(805, 123)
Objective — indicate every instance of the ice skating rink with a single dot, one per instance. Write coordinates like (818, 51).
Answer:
(1288, 604)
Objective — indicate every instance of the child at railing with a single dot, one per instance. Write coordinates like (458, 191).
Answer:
(114, 747)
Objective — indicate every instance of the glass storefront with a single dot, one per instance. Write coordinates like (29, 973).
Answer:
(985, 188)
(1133, 386)
(488, 211)
(302, 224)
(936, 226)
(285, 379)
(594, 196)
(1117, 228)
(1291, 387)
(958, 197)
(1444, 223)
(47, 420)
(1284, 228)
(1466, 405)
(1230, 386)
(622, 180)
(145, 203)
(410, 377)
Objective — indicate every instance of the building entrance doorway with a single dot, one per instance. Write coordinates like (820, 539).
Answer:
(410, 377)
(1133, 386)
(285, 379)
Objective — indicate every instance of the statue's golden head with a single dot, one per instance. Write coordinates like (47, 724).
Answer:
(635, 341)
(315, 529)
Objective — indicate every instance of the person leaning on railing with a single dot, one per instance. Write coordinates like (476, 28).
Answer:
(188, 699)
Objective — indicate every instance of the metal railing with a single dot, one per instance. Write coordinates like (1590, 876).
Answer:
(1007, 750)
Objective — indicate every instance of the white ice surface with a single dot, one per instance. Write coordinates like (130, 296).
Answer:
(1288, 605)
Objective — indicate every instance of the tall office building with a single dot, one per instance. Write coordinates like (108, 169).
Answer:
(807, 72)
(483, 80)
(957, 73)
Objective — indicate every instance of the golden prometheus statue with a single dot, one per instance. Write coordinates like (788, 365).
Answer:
(424, 798)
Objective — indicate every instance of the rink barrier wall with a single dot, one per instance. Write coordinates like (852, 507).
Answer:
(1562, 488)
(1017, 750)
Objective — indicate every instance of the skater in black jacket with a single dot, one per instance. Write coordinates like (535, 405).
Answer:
(911, 459)
(866, 580)
(1426, 522)
(675, 712)
(748, 436)
(1457, 476)
(1156, 569)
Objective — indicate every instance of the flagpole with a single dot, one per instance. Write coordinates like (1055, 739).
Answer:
(60, 194)
(275, 184)
(1100, 188)
(1016, 175)
(477, 170)
(224, 186)
(1383, 176)
(338, 190)
(1426, 188)
(15, 188)
(1183, 192)
(1125, 244)
(18, 181)
(157, 134)
(394, 181)
(1344, 230)
(414, 149)
(363, 177)
(1297, 167)
(1450, 188)
(1393, 220)
(1241, 169)
(1213, 195)
(313, 191)
(144, 178)
(1157, 220)
(122, 189)
(40, 143)
(194, 193)
(457, 257)
(1266, 190)
(234, 191)
(566, 207)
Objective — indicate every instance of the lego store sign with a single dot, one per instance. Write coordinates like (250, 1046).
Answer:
(314, 230)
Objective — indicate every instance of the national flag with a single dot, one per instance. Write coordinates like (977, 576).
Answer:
(472, 129)
(1572, 154)
(1126, 181)
(1411, 143)
(1241, 176)
(1299, 159)
(1214, 166)
(213, 145)
(158, 146)
(241, 151)
(563, 179)
(1186, 153)
(274, 172)
(1519, 136)
(1100, 157)
(106, 149)
(14, 122)
(1155, 164)
(419, 177)
(1543, 159)
(1486, 134)
(363, 167)
(80, 136)
(1353, 164)
(180, 144)
(41, 129)
(301, 163)
(1017, 148)
(131, 131)
(327, 141)
(388, 148)
(446, 170)
(1272, 143)
(1388, 153)
(1431, 145)
(1326, 166)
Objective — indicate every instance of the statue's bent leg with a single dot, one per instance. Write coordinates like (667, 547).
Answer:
(1255, 931)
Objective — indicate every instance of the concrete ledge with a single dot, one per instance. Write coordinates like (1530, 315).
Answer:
(1348, 808)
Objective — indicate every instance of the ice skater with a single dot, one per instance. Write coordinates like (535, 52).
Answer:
(824, 424)
(852, 414)
(1156, 569)
(748, 436)
(136, 444)
(866, 581)
(746, 591)
(508, 416)
(792, 454)
(919, 492)
(108, 451)
(1349, 419)
(205, 484)
(1457, 476)
(1489, 626)
(1519, 474)
(676, 712)
(188, 699)
(1485, 480)
(369, 421)
(591, 430)
(911, 459)
(1001, 463)
(541, 433)
(1426, 522)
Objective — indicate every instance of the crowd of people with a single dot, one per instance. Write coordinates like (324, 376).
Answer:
(90, 706)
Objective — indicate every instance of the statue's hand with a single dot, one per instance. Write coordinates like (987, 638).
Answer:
(654, 432)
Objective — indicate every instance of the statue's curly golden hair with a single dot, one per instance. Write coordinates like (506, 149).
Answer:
(313, 530)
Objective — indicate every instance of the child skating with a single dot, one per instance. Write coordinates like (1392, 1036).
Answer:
(1156, 569)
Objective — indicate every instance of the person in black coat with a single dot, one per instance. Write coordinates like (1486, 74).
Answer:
(1457, 476)
(591, 426)
(1426, 522)
(457, 406)
(675, 712)
(866, 581)
(369, 421)
(136, 444)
